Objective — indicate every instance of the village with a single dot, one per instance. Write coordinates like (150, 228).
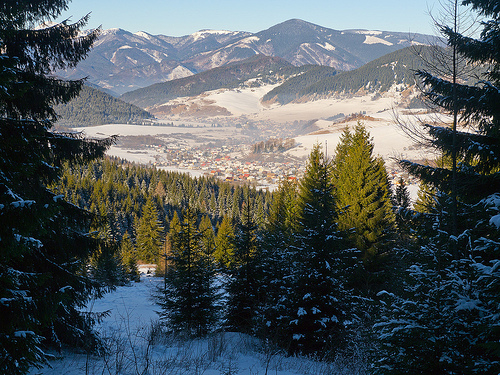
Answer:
(231, 163)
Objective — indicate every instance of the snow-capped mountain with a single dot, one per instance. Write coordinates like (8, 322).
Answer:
(122, 61)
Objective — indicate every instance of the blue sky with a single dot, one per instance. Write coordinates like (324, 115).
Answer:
(177, 18)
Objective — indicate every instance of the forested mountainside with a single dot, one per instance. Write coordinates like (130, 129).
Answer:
(396, 68)
(292, 88)
(303, 83)
(263, 69)
(94, 107)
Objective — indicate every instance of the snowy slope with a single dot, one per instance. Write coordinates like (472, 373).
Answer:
(128, 329)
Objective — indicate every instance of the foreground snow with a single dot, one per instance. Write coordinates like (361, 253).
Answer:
(136, 345)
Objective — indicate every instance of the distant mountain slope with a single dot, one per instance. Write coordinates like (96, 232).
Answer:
(94, 107)
(301, 43)
(396, 68)
(293, 87)
(122, 61)
(265, 69)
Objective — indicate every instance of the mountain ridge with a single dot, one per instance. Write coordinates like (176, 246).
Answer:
(228, 76)
(122, 61)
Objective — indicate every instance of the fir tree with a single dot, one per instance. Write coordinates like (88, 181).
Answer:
(189, 297)
(149, 232)
(317, 306)
(44, 240)
(450, 301)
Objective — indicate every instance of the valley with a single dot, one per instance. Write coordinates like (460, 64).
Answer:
(240, 90)
(221, 146)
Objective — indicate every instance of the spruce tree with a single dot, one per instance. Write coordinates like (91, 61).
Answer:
(225, 245)
(129, 258)
(242, 287)
(44, 240)
(275, 266)
(207, 235)
(362, 193)
(189, 298)
(450, 301)
(149, 233)
(317, 306)
(477, 174)
(402, 195)
(402, 209)
(444, 318)
(363, 203)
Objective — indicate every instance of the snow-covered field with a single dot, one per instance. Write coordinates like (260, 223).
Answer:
(389, 140)
(135, 345)
(247, 102)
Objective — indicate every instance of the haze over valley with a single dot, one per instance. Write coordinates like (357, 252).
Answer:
(211, 96)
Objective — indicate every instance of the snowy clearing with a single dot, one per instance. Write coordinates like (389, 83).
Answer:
(136, 345)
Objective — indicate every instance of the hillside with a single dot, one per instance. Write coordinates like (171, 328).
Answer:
(396, 68)
(264, 69)
(94, 107)
(122, 61)
(292, 88)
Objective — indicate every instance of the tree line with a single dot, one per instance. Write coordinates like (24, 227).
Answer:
(273, 145)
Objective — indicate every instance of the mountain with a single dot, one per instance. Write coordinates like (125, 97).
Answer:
(292, 88)
(377, 76)
(122, 61)
(94, 107)
(301, 43)
(261, 69)
(261, 85)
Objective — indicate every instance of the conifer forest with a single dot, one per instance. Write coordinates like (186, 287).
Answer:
(337, 259)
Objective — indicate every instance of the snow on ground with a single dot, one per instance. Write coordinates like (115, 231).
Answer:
(242, 101)
(388, 139)
(136, 345)
(326, 108)
(141, 157)
(126, 129)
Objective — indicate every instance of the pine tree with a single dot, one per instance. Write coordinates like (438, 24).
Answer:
(225, 245)
(189, 299)
(317, 306)
(149, 231)
(450, 301)
(362, 193)
(44, 240)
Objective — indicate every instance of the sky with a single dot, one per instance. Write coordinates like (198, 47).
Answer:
(178, 18)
